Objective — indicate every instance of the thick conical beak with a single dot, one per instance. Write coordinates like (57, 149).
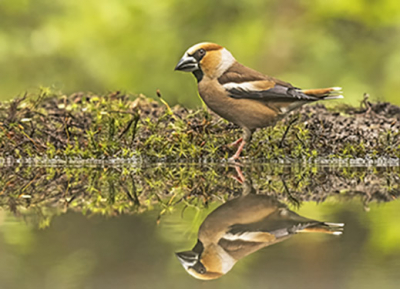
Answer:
(187, 258)
(187, 63)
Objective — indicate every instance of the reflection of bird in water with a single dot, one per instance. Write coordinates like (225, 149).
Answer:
(242, 226)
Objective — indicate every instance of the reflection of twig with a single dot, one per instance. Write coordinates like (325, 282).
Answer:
(32, 181)
(134, 191)
(127, 193)
(291, 199)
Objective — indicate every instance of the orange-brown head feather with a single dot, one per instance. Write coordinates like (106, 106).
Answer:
(215, 61)
(207, 46)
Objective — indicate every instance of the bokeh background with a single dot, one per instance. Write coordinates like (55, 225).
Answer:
(133, 45)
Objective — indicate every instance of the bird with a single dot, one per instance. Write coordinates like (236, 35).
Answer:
(242, 95)
(242, 226)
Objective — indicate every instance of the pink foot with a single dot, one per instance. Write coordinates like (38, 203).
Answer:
(239, 150)
(235, 143)
(240, 177)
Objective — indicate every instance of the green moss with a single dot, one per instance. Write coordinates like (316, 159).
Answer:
(113, 126)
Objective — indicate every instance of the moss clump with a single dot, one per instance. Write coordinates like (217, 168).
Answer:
(116, 125)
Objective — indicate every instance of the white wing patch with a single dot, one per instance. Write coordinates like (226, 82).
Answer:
(240, 86)
(257, 85)
(249, 237)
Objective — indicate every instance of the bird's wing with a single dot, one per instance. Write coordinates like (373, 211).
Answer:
(279, 225)
(247, 236)
(244, 242)
(266, 91)
(242, 82)
(241, 246)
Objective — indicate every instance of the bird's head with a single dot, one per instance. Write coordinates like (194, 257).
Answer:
(206, 263)
(194, 265)
(206, 59)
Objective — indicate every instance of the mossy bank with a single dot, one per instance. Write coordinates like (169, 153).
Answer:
(50, 126)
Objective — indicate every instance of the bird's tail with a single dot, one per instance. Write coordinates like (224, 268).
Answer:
(328, 228)
(324, 93)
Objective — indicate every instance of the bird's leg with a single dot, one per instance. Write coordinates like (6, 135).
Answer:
(246, 138)
(235, 143)
(238, 152)
(292, 121)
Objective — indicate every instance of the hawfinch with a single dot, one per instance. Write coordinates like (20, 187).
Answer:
(240, 227)
(242, 95)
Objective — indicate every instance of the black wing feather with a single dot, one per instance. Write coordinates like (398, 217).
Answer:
(277, 93)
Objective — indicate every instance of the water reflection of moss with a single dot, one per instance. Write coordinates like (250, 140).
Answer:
(39, 193)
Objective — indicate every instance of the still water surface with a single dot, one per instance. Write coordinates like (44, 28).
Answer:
(93, 241)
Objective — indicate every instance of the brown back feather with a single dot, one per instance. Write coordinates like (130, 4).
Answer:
(239, 73)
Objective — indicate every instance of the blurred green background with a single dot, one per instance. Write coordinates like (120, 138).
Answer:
(133, 45)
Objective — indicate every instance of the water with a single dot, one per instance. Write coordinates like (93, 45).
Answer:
(120, 227)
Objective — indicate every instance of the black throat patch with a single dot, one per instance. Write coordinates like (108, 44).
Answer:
(198, 248)
(198, 74)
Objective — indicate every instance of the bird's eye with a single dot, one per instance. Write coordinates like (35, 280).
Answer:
(202, 271)
(199, 54)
